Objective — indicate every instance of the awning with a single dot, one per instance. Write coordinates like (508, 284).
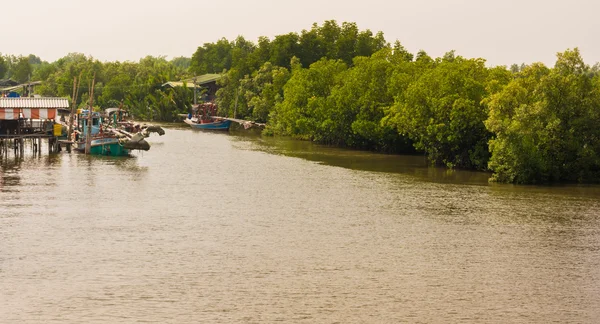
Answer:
(33, 113)
(39, 113)
(9, 113)
(34, 108)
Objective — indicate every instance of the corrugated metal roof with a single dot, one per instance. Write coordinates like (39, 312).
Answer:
(174, 84)
(20, 86)
(200, 80)
(205, 78)
(34, 103)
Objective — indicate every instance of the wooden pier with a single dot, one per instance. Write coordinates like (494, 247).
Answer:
(17, 143)
(247, 123)
(30, 119)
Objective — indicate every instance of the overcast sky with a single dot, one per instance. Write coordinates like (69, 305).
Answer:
(503, 32)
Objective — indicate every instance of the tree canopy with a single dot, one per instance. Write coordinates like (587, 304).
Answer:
(340, 85)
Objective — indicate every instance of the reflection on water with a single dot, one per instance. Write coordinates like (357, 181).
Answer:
(222, 228)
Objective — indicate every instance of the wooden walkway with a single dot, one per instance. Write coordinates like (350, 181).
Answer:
(247, 123)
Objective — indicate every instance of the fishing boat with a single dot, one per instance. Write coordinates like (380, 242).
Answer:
(205, 118)
(110, 138)
(109, 146)
(102, 142)
(212, 124)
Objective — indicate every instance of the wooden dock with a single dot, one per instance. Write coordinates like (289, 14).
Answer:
(16, 144)
(247, 123)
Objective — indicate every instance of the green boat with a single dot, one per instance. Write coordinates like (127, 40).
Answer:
(110, 139)
(103, 142)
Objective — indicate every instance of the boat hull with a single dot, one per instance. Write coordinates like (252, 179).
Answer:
(105, 146)
(217, 125)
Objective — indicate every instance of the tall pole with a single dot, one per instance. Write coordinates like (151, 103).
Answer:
(195, 91)
(88, 136)
(76, 83)
(236, 102)
(70, 130)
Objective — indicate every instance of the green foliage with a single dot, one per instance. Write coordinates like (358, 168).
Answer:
(265, 90)
(283, 48)
(137, 85)
(251, 88)
(305, 112)
(34, 59)
(360, 103)
(442, 111)
(545, 123)
(336, 84)
(182, 62)
(212, 57)
(3, 66)
(21, 69)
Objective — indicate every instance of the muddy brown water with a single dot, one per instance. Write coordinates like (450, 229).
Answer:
(238, 228)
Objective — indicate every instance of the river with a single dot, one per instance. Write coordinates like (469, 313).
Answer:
(237, 228)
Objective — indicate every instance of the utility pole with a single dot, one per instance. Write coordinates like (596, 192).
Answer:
(74, 104)
(88, 136)
(195, 90)
(237, 90)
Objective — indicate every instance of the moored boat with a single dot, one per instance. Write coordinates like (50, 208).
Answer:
(103, 145)
(215, 124)
(206, 119)
(102, 142)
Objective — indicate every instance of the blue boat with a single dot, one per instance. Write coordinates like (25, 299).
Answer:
(212, 124)
(206, 118)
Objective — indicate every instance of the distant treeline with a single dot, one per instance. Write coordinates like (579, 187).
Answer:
(342, 86)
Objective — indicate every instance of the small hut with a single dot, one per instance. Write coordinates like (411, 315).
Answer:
(207, 82)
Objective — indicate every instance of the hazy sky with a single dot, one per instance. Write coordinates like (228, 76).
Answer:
(503, 32)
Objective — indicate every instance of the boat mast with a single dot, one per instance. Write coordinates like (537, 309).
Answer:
(88, 136)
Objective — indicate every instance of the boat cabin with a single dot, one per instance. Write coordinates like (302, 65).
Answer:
(83, 119)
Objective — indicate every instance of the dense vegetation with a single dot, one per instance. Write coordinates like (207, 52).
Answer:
(335, 84)
(138, 85)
